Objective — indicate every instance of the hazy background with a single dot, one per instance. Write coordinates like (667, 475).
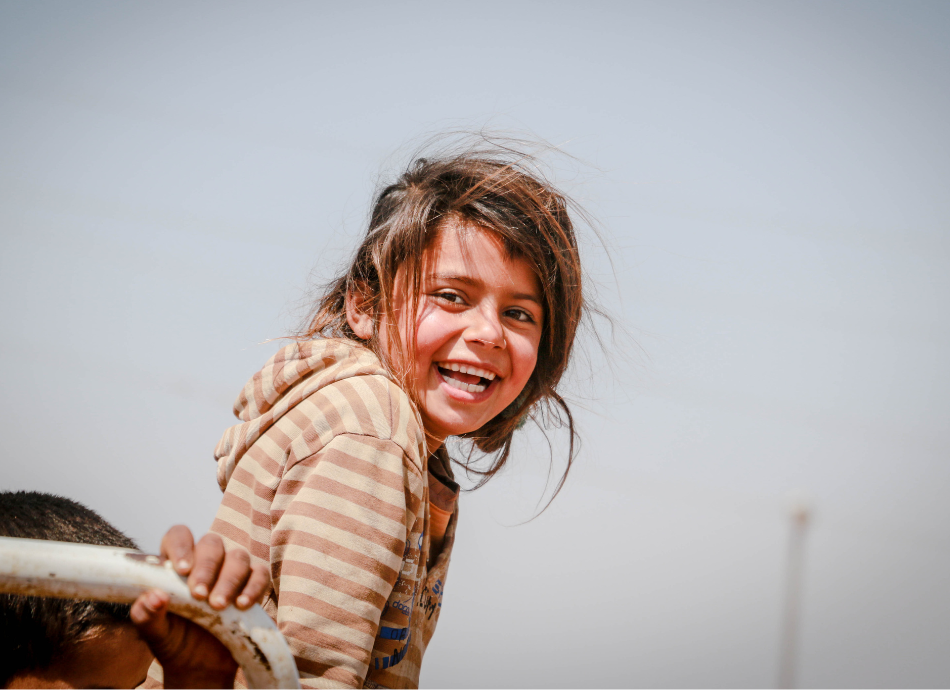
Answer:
(772, 180)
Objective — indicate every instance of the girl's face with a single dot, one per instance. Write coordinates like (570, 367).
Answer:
(477, 330)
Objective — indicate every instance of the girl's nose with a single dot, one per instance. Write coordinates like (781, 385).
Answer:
(485, 329)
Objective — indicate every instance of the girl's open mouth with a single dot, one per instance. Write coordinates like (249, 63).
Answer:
(466, 378)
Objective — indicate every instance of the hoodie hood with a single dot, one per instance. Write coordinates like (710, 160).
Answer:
(287, 378)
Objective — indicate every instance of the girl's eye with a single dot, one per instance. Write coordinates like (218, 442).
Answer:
(450, 297)
(520, 315)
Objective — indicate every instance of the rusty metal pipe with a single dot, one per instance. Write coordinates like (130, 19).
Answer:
(41, 568)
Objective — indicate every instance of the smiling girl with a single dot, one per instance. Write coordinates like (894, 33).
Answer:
(456, 318)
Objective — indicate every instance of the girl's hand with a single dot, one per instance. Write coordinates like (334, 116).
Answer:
(213, 575)
(191, 656)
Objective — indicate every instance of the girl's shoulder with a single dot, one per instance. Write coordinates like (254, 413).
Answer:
(310, 394)
(341, 387)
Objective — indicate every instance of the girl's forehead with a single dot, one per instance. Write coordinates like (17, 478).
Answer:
(467, 240)
(466, 246)
(463, 238)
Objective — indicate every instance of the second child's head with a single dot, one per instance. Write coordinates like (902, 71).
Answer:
(467, 284)
(65, 643)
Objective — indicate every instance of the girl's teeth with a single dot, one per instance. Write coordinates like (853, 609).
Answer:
(470, 387)
(470, 370)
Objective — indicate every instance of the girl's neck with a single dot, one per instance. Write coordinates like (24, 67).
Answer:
(433, 443)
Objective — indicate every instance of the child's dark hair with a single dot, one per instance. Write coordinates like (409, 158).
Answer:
(35, 631)
(498, 189)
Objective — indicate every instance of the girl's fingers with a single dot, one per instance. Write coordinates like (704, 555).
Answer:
(257, 585)
(219, 577)
(178, 546)
(231, 580)
(208, 559)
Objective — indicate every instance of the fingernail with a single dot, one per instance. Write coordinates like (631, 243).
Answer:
(200, 590)
(243, 601)
(218, 600)
(184, 564)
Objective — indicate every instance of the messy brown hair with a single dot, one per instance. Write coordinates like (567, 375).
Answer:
(496, 188)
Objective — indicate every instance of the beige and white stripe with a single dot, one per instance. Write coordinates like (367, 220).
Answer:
(325, 481)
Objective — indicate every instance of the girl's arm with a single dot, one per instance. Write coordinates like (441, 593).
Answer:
(343, 516)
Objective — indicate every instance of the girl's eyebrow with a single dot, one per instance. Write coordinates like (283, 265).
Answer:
(468, 280)
(528, 297)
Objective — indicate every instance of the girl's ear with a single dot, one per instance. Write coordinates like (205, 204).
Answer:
(358, 313)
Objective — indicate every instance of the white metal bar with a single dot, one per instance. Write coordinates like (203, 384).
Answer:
(80, 571)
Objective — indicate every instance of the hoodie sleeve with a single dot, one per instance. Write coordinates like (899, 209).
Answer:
(341, 519)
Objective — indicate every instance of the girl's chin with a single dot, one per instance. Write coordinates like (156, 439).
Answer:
(449, 418)
(450, 411)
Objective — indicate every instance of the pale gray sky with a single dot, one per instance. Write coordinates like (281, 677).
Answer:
(772, 183)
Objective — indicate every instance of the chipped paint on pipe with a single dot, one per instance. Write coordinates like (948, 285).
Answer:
(81, 571)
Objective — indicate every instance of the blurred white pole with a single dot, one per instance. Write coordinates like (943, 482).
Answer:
(800, 514)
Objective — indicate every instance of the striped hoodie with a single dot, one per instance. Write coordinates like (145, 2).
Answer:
(326, 481)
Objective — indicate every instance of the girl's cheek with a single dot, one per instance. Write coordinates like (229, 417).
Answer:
(430, 336)
(529, 361)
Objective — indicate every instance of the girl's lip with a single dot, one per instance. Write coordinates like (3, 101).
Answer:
(459, 394)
